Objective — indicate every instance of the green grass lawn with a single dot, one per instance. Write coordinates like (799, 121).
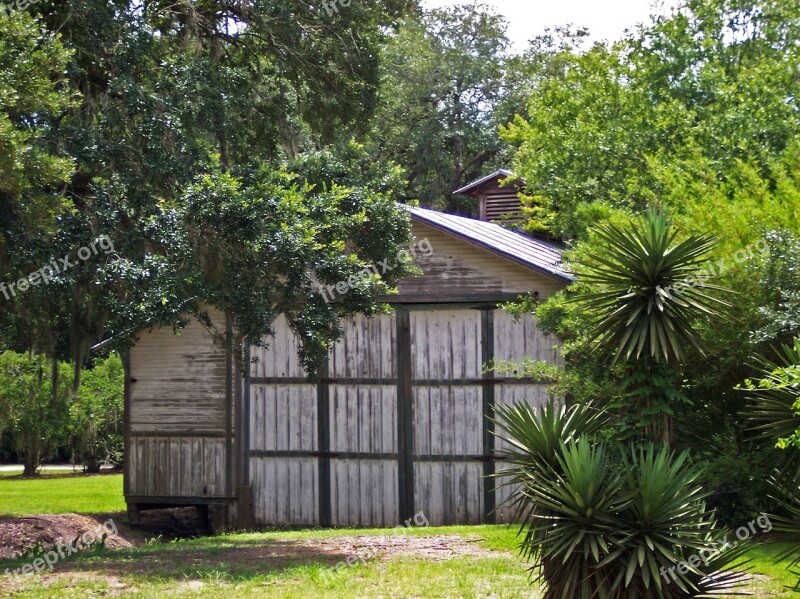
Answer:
(287, 564)
(60, 493)
(292, 565)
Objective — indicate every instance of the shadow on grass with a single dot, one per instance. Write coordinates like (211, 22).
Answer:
(19, 477)
(227, 560)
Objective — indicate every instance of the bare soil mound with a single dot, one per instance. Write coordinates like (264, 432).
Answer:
(18, 534)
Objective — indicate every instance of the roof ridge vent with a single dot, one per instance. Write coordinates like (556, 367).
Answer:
(498, 196)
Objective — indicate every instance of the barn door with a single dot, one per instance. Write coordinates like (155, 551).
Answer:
(361, 392)
(326, 453)
(398, 423)
(283, 445)
(449, 398)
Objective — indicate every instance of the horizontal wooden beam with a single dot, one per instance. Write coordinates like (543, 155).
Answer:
(354, 455)
(441, 300)
(388, 382)
(180, 434)
(175, 500)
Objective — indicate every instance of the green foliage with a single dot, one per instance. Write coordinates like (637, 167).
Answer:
(736, 468)
(787, 494)
(775, 412)
(32, 74)
(775, 398)
(442, 84)
(34, 398)
(188, 118)
(262, 246)
(780, 306)
(599, 526)
(690, 110)
(535, 436)
(96, 415)
(648, 293)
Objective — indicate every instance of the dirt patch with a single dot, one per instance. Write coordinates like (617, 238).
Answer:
(19, 534)
(438, 547)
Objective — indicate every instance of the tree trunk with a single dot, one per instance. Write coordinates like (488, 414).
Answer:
(31, 459)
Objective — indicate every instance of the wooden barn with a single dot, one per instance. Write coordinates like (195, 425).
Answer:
(399, 421)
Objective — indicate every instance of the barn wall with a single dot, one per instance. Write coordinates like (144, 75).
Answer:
(457, 269)
(397, 424)
(179, 425)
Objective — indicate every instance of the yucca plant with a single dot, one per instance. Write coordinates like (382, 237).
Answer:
(775, 398)
(649, 294)
(646, 296)
(774, 410)
(596, 525)
(786, 491)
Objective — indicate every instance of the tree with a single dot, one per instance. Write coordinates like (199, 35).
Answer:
(96, 415)
(698, 93)
(34, 94)
(442, 81)
(35, 406)
(213, 98)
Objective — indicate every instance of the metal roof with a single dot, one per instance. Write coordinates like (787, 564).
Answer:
(531, 253)
(496, 175)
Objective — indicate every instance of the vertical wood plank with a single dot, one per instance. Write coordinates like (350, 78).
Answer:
(487, 357)
(405, 416)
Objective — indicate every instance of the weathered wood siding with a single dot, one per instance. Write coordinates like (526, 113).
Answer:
(359, 422)
(447, 414)
(514, 341)
(397, 424)
(283, 434)
(179, 466)
(178, 430)
(455, 268)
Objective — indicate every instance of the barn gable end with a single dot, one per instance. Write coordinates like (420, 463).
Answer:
(458, 268)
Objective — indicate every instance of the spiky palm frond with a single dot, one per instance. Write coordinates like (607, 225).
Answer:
(594, 526)
(643, 307)
(787, 494)
(773, 401)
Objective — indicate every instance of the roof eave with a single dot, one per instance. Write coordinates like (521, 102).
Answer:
(480, 182)
(560, 275)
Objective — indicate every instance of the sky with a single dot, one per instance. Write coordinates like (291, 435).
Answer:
(606, 19)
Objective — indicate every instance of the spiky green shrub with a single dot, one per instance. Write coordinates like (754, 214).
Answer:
(774, 410)
(647, 292)
(596, 524)
(775, 398)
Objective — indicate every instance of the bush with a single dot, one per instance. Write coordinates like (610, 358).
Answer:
(96, 415)
(601, 524)
(775, 411)
(34, 395)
